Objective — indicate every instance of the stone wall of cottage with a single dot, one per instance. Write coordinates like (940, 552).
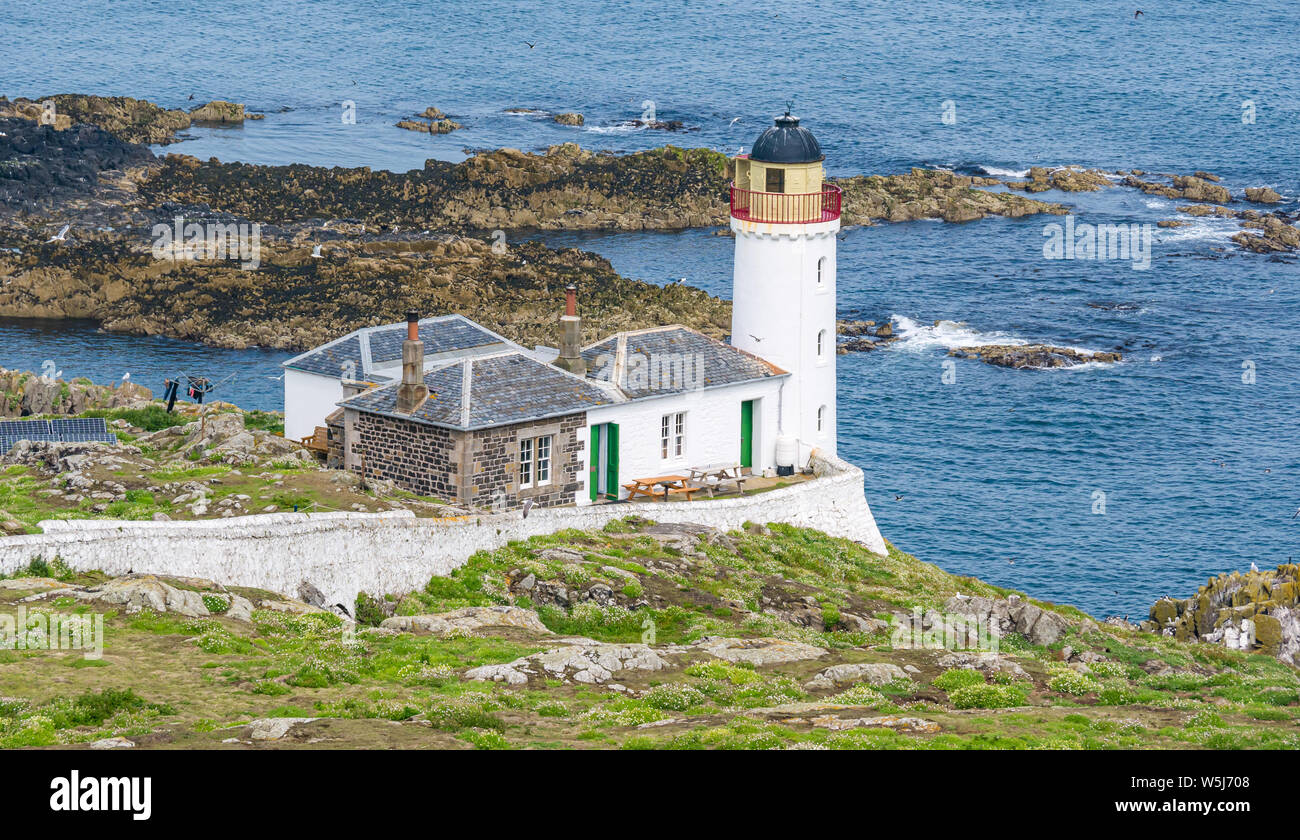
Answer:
(427, 460)
(415, 456)
(495, 453)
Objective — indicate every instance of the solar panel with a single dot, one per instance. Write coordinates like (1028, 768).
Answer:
(25, 427)
(79, 428)
(64, 430)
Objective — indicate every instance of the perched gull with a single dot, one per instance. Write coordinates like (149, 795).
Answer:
(63, 232)
(1253, 567)
(126, 376)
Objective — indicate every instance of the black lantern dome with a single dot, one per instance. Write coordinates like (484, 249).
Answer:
(786, 142)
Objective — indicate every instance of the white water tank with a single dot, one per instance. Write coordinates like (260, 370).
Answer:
(787, 452)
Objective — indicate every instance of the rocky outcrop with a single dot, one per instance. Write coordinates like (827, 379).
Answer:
(1254, 611)
(863, 336)
(1011, 615)
(1182, 186)
(295, 301)
(566, 187)
(1032, 355)
(222, 112)
(130, 120)
(41, 167)
(571, 118)
(1268, 234)
(23, 394)
(432, 121)
(931, 194)
(1064, 178)
(1262, 195)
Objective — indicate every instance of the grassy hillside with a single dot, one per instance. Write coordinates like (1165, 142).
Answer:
(672, 638)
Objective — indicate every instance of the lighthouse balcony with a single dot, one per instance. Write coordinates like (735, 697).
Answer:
(785, 208)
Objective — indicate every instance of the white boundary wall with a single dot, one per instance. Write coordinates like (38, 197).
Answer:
(342, 554)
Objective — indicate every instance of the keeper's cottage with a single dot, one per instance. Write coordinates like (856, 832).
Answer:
(445, 407)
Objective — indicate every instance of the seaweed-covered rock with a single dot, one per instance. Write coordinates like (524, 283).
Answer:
(1032, 355)
(931, 194)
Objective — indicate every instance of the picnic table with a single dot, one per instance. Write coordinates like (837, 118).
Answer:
(716, 476)
(661, 487)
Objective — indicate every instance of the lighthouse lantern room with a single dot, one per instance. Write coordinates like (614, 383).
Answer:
(785, 218)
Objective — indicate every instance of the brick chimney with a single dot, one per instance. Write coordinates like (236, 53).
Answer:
(412, 393)
(570, 357)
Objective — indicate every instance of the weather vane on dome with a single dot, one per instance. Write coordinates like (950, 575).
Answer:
(789, 106)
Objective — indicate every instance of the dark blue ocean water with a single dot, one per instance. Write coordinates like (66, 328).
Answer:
(1107, 487)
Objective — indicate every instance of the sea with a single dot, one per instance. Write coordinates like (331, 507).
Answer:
(1103, 486)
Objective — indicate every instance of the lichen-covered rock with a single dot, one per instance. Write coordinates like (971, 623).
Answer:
(1257, 610)
(872, 673)
(468, 618)
(1011, 615)
(571, 118)
(761, 651)
(584, 662)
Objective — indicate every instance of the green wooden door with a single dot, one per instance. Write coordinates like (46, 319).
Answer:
(747, 433)
(611, 460)
(602, 478)
(593, 477)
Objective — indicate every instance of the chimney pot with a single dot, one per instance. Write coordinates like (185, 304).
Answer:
(571, 299)
(412, 325)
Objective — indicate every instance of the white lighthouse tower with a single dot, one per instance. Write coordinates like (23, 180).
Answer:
(783, 296)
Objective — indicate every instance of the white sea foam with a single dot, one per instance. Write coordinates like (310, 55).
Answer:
(948, 335)
(999, 172)
(621, 128)
(953, 335)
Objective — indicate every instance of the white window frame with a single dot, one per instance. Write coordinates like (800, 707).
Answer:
(821, 420)
(672, 436)
(536, 461)
(823, 263)
(542, 467)
(821, 347)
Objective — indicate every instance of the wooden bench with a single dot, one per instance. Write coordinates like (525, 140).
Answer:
(661, 487)
(317, 441)
(716, 476)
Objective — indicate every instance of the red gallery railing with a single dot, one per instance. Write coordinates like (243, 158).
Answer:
(785, 208)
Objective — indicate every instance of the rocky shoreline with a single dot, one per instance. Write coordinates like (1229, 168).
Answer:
(78, 206)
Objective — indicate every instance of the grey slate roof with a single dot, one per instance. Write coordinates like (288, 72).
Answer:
(668, 360)
(382, 346)
(504, 388)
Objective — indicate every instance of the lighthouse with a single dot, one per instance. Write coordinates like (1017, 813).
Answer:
(785, 218)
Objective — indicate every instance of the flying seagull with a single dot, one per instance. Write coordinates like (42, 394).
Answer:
(63, 232)
(528, 505)
(530, 44)
(315, 252)
(898, 498)
(1137, 14)
(1297, 513)
(756, 338)
(734, 120)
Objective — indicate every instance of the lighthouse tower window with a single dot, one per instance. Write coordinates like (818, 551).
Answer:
(821, 346)
(821, 420)
(821, 273)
